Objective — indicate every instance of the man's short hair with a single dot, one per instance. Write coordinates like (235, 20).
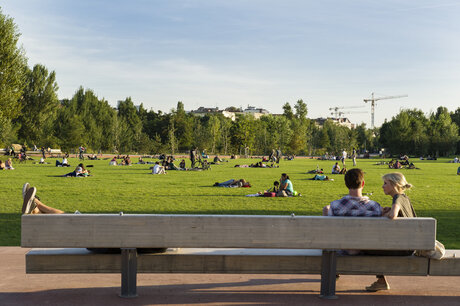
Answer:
(354, 178)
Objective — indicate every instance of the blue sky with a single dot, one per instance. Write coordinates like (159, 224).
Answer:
(261, 53)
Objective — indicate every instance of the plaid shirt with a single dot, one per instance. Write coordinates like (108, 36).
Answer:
(355, 207)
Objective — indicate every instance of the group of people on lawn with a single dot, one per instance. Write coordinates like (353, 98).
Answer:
(353, 204)
(7, 165)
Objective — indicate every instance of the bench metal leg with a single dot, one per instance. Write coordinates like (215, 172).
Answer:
(128, 273)
(328, 274)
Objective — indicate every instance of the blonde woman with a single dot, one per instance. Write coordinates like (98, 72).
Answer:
(9, 164)
(394, 185)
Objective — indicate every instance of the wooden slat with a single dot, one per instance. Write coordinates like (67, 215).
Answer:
(257, 261)
(449, 265)
(224, 231)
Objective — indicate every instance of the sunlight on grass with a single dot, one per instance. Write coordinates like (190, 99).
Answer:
(134, 190)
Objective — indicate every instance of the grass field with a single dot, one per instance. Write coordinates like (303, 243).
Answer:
(132, 189)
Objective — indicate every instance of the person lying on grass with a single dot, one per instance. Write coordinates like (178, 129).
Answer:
(274, 188)
(321, 177)
(79, 171)
(316, 171)
(233, 183)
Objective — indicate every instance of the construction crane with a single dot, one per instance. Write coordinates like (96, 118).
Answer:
(340, 114)
(336, 109)
(373, 99)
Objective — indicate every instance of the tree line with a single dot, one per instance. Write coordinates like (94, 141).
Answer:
(31, 113)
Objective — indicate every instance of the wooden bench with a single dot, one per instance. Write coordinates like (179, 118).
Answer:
(55, 153)
(229, 244)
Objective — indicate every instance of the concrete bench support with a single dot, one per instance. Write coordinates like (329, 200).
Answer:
(128, 273)
(328, 273)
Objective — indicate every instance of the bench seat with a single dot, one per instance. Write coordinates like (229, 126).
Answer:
(242, 261)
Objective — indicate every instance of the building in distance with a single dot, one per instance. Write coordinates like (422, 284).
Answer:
(231, 112)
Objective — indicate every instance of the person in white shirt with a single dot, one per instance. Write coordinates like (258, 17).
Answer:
(157, 169)
(344, 157)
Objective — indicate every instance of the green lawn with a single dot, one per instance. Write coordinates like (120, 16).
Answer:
(134, 190)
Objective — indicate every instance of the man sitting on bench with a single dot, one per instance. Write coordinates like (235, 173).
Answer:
(353, 204)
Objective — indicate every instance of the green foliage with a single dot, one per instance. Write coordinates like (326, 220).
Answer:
(287, 111)
(411, 132)
(243, 133)
(39, 105)
(443, 132)
(13, 65)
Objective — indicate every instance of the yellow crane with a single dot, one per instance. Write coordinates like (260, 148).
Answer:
(373, 99)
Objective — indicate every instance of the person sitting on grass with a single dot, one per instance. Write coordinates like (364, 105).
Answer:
(2, 165)
(64, 163)
(113, 161)
(336, 168)
(286, 188)
(157, 169)
(217, 159)
(458, 171)
(79, 171)
(182, 164)
(9, 164)
(233, 183)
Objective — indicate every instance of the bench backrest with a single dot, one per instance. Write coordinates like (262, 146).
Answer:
(227, 231)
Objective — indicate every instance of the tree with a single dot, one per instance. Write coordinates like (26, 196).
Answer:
(214, 131)
(455, 116)
(172, 141)
(243, 133)
(13, 64)
(39, 104)
(443, 132)
(128, 114)
(363, 137)
(183, 127)
(301, 110)
(287, 111)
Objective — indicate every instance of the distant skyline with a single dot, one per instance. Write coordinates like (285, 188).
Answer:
(261, 53)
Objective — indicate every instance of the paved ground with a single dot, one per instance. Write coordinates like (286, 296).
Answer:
(17, 288)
